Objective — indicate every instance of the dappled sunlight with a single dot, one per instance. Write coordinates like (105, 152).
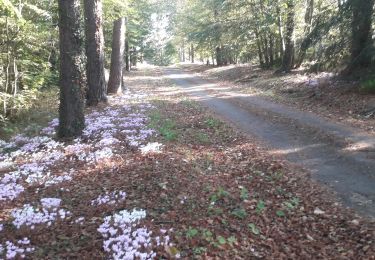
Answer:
(295, 150)
(359, 146)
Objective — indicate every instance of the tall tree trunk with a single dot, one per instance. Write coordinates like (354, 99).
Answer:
(265, 50)
(183, 51)
(117, 57)
(308, 20)
(219, 58)
(71, 116)
(361, 40)
(259, 46)
(127, 51)
(192, 53)
(127, 54)
(280, 27)
(271, 49)
(95, 52)
(289, 42)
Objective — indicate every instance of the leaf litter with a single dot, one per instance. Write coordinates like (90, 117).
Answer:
(155, 176)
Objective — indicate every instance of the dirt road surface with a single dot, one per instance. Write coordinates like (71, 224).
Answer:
(338, 156)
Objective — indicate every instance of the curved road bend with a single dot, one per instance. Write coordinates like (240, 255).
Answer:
(305, 139)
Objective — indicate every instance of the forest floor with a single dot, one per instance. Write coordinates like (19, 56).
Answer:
(157, 174)
(321, 93)
(339, 156)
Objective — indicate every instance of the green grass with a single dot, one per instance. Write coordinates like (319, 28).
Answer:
(213, 123)
(165, 126)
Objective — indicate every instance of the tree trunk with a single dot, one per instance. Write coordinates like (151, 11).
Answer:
(219, 61)
(280, 27)
(271, 49)
(117, 57)
(192, 53)
(127, 54)
(183, 51)
(127, 51)
(71, 116)
(361, 41)
(289, 43)
(308, 20)
(260, 52)
(95, 52)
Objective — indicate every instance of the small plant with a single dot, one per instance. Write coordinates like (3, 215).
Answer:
(292, 204)
(202, 138)
(212, 123)
(221, 240)
(167, 130)
(239, 213)
(254, 229)
(215, 211)
(219, 194)
(231, 240)
(260, 206)
(280, 213)
(191, 232)
(207, 235)
(244, 193)
(199, 250)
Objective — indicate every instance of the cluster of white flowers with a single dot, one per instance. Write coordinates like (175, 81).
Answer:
(29, 161)
(151, 148)
(109, 198)
(122, 240)
(10, 190)
(13, 250)
(30, 216)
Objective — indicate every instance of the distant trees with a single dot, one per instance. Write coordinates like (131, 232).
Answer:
(96, 91)
(279, 34)
(71, 117)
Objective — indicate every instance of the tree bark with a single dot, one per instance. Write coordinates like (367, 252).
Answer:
(308, 21)
(183, 51)
(219, 56)
(361, 41)
(192, 53)
(289, 42)
(95, 52)
(127, 51)
(127, 54)
(72, 121)
(280, 27)
(117, 57)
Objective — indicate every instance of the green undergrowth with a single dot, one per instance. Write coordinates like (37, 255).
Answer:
(31, 119)
(368, 86)
(197, 127)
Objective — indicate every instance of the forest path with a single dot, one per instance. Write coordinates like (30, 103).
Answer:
(336, 155)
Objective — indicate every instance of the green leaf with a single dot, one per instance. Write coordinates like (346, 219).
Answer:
(240, 213)
(192, 232)
(231, 240)
(280, 213)
(254, 229)
(260, 206)
(244, 194)
(221, 240)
